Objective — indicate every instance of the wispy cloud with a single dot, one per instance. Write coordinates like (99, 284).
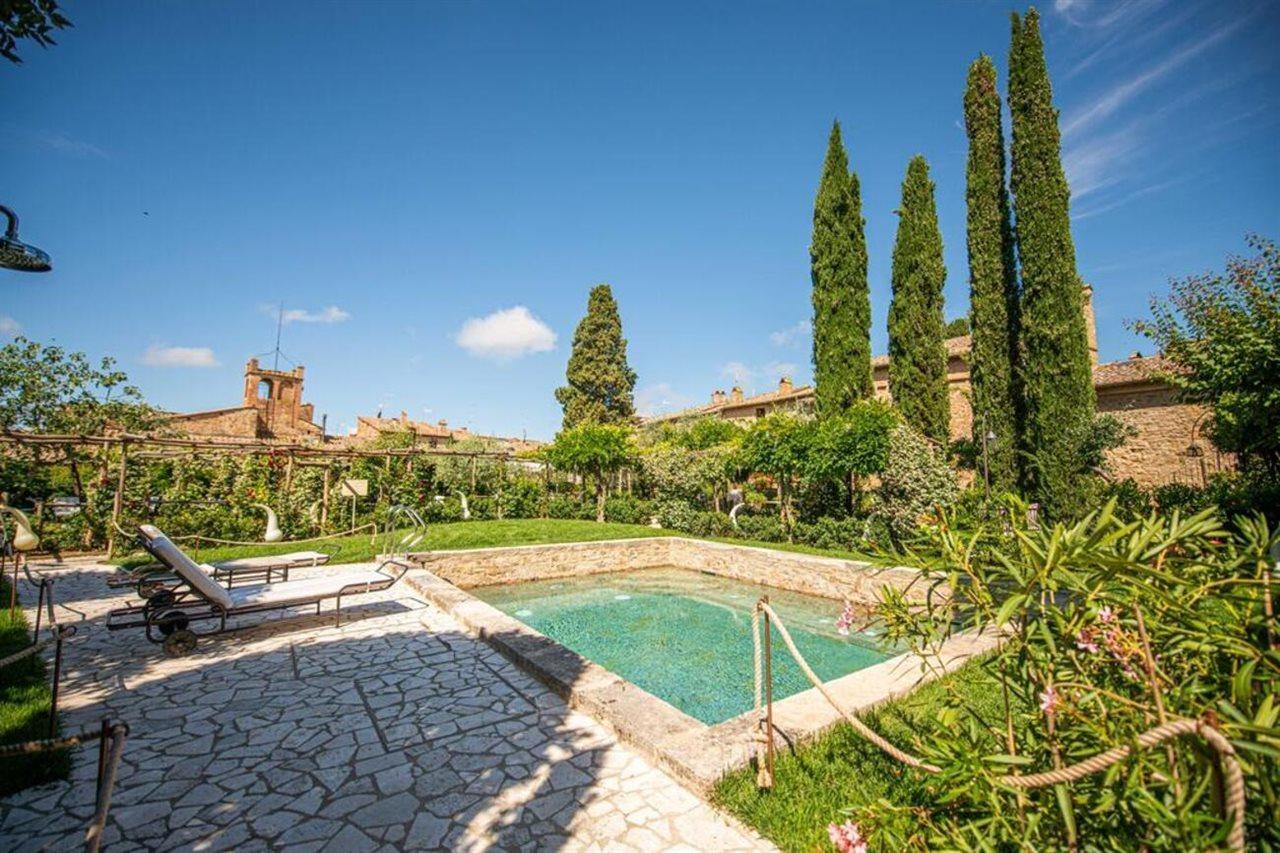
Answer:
(1112, 204)
(744, 374)
(163, 356)
(506, 334)
(1103, 14)
(57, 141)
(9, 327)
(332, 314)
(1099, 161)
(791, 335)
(660, 397)
(1119, 95)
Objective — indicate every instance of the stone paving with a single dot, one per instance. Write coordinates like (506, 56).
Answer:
(394, 731)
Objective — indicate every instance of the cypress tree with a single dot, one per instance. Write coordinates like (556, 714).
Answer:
(917, 357)
(841, 295)
(993, 281)
(1056, 372)
(600, 383)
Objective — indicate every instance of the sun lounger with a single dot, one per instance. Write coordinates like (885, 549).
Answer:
(153, 577)
(168, 616)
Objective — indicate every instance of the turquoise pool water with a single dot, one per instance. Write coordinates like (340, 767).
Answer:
(685, 636)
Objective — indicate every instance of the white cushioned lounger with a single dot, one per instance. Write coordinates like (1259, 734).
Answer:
(293, 559)
(307, 591)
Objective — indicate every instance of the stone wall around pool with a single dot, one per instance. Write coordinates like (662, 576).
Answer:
(827, 577)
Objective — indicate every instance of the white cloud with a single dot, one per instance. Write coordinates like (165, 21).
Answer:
(744, 374)
(1098, 162)
(332, 314)
(791, 335)
(160, 356)
(660, 397)
(738, 372)
(506, 334)
(9, 327)
(1120, 95)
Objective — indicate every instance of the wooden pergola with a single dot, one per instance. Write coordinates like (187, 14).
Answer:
(156, 447)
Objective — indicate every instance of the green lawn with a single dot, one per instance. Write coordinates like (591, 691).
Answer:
(440, 537)
(24, 706)
(488, 534)
(841, 769)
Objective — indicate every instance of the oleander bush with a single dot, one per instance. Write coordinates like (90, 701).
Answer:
(1110, 625)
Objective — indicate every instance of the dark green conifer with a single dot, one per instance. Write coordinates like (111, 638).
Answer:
(841, 295)
(917, 357)
(600, 382)
(993, 282)
(1056, 371)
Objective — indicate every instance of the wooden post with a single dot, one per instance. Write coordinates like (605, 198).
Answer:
(324, 503)
(117, 505)
(288, 475)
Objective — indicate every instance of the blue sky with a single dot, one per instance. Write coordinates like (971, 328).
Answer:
(430, 189)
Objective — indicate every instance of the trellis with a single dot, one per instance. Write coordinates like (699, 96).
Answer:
(152, 447)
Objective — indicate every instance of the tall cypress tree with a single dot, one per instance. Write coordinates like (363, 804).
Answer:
(1056, 372)
(993, 281)
(600, 382)
(841, 295)
(917, 356)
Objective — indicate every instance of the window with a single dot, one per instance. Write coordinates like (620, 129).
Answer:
(760, 412)
(264, 389)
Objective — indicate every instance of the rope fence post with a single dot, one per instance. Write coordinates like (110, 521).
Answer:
(768, 687)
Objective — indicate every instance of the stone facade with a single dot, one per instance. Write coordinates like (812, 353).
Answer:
(271, 408)
(1169, 445)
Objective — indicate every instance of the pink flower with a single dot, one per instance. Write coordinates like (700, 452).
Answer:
(846, 837)
(1049, 700)
(845, 621)
(1105, 616)
(1085, 641)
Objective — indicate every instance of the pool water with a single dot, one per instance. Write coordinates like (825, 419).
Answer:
(685, 636)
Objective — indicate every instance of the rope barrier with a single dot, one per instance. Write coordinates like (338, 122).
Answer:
(1234, 806)
(27, 652)
(199, 537)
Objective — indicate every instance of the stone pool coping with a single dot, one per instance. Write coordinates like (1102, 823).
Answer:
(696, 754)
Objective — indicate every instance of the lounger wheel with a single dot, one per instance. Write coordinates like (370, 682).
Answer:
(180, 642)
(150, 589)
(159, 600)
(174, 620)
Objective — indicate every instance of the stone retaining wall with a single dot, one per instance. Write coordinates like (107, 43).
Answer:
(827, 577)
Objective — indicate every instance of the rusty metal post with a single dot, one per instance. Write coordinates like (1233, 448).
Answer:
(768, 687)
(57, 677)
(102, 759)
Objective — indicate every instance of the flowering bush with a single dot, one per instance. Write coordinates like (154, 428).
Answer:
(916, 481)
(1110, 627)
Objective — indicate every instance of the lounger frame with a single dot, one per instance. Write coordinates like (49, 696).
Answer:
(170, 615)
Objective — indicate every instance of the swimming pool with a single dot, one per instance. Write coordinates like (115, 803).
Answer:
(684, 636)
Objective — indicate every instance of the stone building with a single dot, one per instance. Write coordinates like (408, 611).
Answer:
(425, 434)
(271, 408)
(1168, 444)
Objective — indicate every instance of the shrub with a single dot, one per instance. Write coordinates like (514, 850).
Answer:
(762, 528)
(1164, 616)
(627, 509)
(916, 482)
(675, 514)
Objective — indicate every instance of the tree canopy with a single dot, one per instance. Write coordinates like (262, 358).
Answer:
(841, 295)
(1221, 333)
(917, 358)
(600, 382)
(993, 281)
(47, 389)
(592, 449)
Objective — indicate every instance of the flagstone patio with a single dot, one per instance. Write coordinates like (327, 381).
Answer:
(396, 730)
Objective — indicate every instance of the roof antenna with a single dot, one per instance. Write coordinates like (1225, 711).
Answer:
(275, 365)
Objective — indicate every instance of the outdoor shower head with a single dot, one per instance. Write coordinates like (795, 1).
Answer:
(17, 255)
